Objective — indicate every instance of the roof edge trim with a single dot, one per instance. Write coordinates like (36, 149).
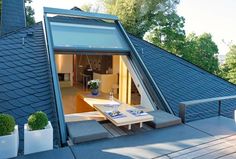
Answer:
(66, 12)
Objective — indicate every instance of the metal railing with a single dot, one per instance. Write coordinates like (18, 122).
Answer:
(184, 105)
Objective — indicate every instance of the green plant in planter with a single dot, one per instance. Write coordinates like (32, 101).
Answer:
(37, 121)
(7, 124)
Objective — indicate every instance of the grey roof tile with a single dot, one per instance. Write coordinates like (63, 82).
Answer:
(25, 77)
(180, 80)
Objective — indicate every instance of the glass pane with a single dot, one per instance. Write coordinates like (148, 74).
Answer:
(87, 36)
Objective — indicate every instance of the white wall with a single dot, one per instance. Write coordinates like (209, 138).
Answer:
(145, 101)
(65, 65)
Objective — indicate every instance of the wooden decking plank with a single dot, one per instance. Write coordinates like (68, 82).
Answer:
(114, 130)
(136, 128)
(110, 130)
(147, 127)
(125, 129)
(204, 151)
(220, 148)
(107, 128)
(229, 156)
(118, 130)
(163, 157)
(195, 148)
(121, 131)
(231, 139)
(220, 153)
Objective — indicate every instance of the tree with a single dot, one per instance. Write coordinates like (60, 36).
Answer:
(87, 7)
(229, 67)
(29, 13)
(202, 51)
(91, 7)
(169, 34)
(139, 16)
(165, 28)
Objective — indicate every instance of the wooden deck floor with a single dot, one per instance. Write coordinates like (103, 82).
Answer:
(224, 148)
(121, 131)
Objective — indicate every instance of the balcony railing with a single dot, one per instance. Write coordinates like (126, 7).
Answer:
(183, 105)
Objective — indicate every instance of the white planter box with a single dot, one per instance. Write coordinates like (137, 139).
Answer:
(9, 144)
(38, 140)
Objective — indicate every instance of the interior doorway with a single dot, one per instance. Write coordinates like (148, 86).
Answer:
(75, 70)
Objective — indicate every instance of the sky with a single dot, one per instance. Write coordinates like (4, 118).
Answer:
(217, 17)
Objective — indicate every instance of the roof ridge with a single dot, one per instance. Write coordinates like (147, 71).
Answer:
(20, 29)
(198, 68)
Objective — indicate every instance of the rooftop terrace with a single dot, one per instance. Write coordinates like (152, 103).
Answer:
(27, 86)
(208, 138)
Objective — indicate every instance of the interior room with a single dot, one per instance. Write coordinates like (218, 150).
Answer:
(74, 72)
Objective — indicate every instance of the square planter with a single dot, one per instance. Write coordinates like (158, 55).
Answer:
(9, 144)
(38, 140)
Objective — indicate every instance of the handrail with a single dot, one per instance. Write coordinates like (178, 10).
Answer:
(185, 104)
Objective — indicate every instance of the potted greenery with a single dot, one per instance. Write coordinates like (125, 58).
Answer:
(38, 133)
(94, 86)
(9, 136)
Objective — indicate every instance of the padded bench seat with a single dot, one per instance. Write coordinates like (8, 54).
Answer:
(87, 130)
(163, 119)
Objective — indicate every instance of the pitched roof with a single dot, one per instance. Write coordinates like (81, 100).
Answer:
(26, 86)
(25, 77)
(180, 81)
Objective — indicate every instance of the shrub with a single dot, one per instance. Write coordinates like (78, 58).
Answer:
(37, 121)
(7, 124)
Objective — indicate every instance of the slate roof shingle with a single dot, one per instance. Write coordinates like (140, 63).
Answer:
(25, 77)
(181, 81)
(26, 80)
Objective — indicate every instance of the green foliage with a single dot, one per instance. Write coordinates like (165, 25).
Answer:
(7, 124)
(169, 33)
(37, 121)
(139, 16)
(228, 70)
(29, 16)
(162, 26)
(202, 51)
(29, 13)
(86, 7)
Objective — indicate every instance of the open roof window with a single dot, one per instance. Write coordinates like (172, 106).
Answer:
(77, 33)
(87, 37)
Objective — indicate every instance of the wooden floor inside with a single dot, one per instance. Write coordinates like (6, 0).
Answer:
(122, 130)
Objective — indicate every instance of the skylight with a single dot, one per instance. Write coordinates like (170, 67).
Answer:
(87, 37)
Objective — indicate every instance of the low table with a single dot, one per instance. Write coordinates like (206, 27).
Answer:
(127, 119)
